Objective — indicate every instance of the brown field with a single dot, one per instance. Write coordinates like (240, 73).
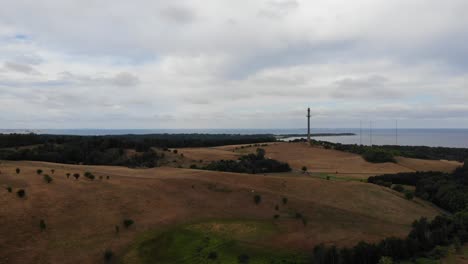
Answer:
(318, 159)
(81, 215)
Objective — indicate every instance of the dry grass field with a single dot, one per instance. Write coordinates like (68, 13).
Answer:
(82, 215)
(318, 159)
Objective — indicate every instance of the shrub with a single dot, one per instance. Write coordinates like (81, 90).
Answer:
(42, 225)
(9, 189)
(398, 188)
(76, 175)
(257, 199)
(107, 177)
(47, 178)
(276, 207)
(108, 255)
(68, 175)
(39, 171)
(276, 216)
(52, 171)
(285, 200)
(100, 177)
(409, 195)
(21, 193)
(328, 178)
(89, 175)
(304, 169)
(298, 215)
(128, 222)
(243, 259)
(18, 170)
(175, 151)
(212, 255)
(194, 166)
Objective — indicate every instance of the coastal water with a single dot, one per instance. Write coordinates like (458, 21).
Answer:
(412, 137)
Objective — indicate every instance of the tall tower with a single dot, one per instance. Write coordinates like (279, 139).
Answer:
(308, 125)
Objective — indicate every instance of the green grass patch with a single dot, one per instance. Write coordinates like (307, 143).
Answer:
(216, 241)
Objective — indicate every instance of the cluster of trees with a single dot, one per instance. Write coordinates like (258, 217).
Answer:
(447, 190)
(424, 240)
(137, 142)
(109, 150)
(251, 163)
(387, 152)
(74, 153)
(427, 238)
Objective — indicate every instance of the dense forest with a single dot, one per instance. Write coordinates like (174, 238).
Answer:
(110, 150)
(251, 163)
(387, 153)
(427, 239)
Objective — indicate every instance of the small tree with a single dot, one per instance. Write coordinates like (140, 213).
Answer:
(398, 188)
(243, 259)
(257, 199)
(128, 222)
(175, 151)
(108, 255)
(42, 225)
(18, 170)
(68, 175)
(76, 175)
(285, 200)
(107, 177)
(89, 175)
(47, 178)
(409, 195)
(39, 171)
(21, 193)
(304, 169)
(52, 171)
(9, 189)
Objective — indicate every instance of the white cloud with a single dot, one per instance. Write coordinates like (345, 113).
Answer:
(232, 63)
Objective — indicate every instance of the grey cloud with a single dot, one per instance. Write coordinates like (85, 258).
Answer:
(125, 79)
(19, 67)
(377, 87)
(178, 14)
(276, 9)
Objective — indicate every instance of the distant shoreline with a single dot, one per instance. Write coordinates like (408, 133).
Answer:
(282, 136)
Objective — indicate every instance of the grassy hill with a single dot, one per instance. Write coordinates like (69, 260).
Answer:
(81, 215)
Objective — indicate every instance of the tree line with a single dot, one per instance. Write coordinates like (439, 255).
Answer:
(387, 153)
(251, 163)
(427, 239)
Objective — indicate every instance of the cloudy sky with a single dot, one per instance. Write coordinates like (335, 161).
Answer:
(233, 64)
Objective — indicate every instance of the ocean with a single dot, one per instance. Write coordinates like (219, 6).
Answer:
(409, 137)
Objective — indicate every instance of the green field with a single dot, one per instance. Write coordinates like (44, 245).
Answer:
(215, 241)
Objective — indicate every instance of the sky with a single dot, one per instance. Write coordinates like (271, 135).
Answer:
(233, 64)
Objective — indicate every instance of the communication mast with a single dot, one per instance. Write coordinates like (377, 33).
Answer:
(308, 125)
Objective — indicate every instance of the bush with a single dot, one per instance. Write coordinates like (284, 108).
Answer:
(52, 171)
(42, 225)
(108, 255)
(128, 222)
(47, 178)
(243, 259)
(9, 189)
(193, 166)
(68, 175)
(285, 200)
(107, 177)
(21, 193)
(276, 216)
(89, 175)
(378, 155)
(39, 171)
(175, 151)
(409, 195)
(304, 169)
(257, 199)
(212, 255)
(398, 188)
(76, 175)
(18, 170)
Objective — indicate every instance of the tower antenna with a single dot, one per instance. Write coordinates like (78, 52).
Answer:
(360, 132)
(396, 132)
(308, 125)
